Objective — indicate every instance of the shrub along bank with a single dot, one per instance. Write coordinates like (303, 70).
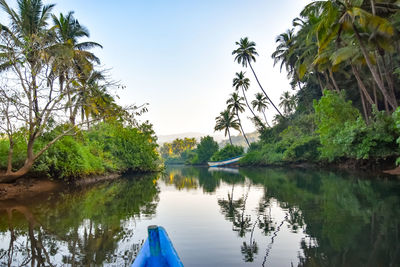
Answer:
(333, 132)
(105, 148)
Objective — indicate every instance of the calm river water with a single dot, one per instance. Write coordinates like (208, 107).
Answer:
(246, 217)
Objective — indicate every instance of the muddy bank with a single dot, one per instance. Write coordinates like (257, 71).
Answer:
(29, 187)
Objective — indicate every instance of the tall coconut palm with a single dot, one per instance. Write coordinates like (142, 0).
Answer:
(288, 102)
(73, 57)
(244, 55)
(68, 32)
(260, 104)
(236, 105)
(225, 121)
(29, 33)
(241, 82)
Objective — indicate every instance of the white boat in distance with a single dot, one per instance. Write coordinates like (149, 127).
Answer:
(224, 162)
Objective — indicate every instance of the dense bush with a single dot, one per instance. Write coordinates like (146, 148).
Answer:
(107, 147)
(396, 119)
(205, 149)
(344, 133)
(131, 149)
(229, 151)
(335, 131)
(332, 114)
(266, 154)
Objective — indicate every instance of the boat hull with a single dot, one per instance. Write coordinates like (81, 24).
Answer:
(227, 162)
(157, 250)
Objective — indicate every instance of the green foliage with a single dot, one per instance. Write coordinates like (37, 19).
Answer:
(396, 119)
(130, 148)
(107, 147)
(69, 158)
(332, 113)
(266, 155)
(19, 153)
(344, 133)
(205, 150)
(229, 151)
(177, 147)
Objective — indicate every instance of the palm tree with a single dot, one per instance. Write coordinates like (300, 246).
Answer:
(351, 16)
(28, 31)
(242, 82)
(88, 93)
(236, 105)
(288, 102)
(74, 55)
(245, 54)
(260, 103)
(224, 121)
(286, 54)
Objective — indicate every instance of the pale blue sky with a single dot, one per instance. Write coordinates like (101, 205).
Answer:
(176, 54)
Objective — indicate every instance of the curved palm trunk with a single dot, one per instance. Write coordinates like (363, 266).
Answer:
(229, 134)
(247, 103)
(374, 73)
(265, 117)
(361, 85)
(262, 89)
(241, 128)
(333, 80)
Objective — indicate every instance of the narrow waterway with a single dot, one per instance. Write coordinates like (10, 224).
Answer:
(224, 217)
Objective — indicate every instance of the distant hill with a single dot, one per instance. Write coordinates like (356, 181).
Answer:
(239, 140)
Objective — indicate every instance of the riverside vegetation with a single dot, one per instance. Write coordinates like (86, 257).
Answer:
(58, 116)
(342, 59)
(187, 151)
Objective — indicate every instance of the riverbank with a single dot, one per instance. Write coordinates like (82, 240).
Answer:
(28, 187)
(377, 166)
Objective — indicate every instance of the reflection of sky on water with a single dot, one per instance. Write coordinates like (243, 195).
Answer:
(264, 223)
(203, 237)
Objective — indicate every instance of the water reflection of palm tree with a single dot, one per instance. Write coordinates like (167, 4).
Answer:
(230, 207)
(274, 235)
(251, 249)
(265, 222)
(242, 222)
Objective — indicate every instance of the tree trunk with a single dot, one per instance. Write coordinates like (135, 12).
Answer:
(328, 84)
(361, 84)
(374, 73)
(388, 77)
(320, 84)
(229, 134)
(363, 105)
(375, 94)
(10, 154)
(262, 89)
(265, 117)
(241, 128)
(373, 7)
(30, 158)
(333, 80)
(247, 103)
